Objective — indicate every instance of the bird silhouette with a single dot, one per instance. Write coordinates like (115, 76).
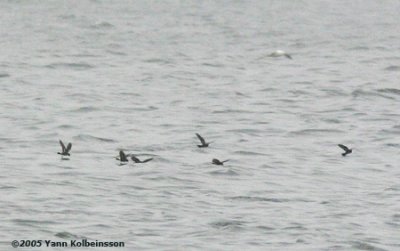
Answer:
(122, 157)
(203, 142)
(136, 160)
(280, 53)
(218, 162)
(345, 149)
(65, 150)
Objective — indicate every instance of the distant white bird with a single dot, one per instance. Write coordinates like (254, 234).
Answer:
(279, 53)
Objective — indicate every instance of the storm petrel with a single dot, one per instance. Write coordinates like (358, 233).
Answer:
(219, 163)
(122, 157)
(65, 150)
(203, 142)
(136, 160)
(345, 149)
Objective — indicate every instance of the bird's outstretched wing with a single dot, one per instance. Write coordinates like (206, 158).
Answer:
(136, 160)
(69, 146)
(288, 56)
(224, 161)
(345, 148)
(147, 160)
(122, 156)
(203, 142)
(62, 145)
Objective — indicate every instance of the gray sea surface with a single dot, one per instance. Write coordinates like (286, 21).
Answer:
(145, 76)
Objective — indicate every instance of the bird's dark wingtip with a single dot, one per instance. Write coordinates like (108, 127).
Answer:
(69, 146)
(62, 145)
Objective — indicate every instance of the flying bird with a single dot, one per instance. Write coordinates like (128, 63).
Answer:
(203, 142)
(136, 160)
(65, 150)
(218, 162)
(279, 53)
(345, 149)
(122, 157)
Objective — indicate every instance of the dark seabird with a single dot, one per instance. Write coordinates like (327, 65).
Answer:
(136, 160)
(219, 163)
(345, 149)
(203, 142)
(65, 150)
(122, 157)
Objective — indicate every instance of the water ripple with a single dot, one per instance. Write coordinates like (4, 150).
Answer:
(73, 66)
